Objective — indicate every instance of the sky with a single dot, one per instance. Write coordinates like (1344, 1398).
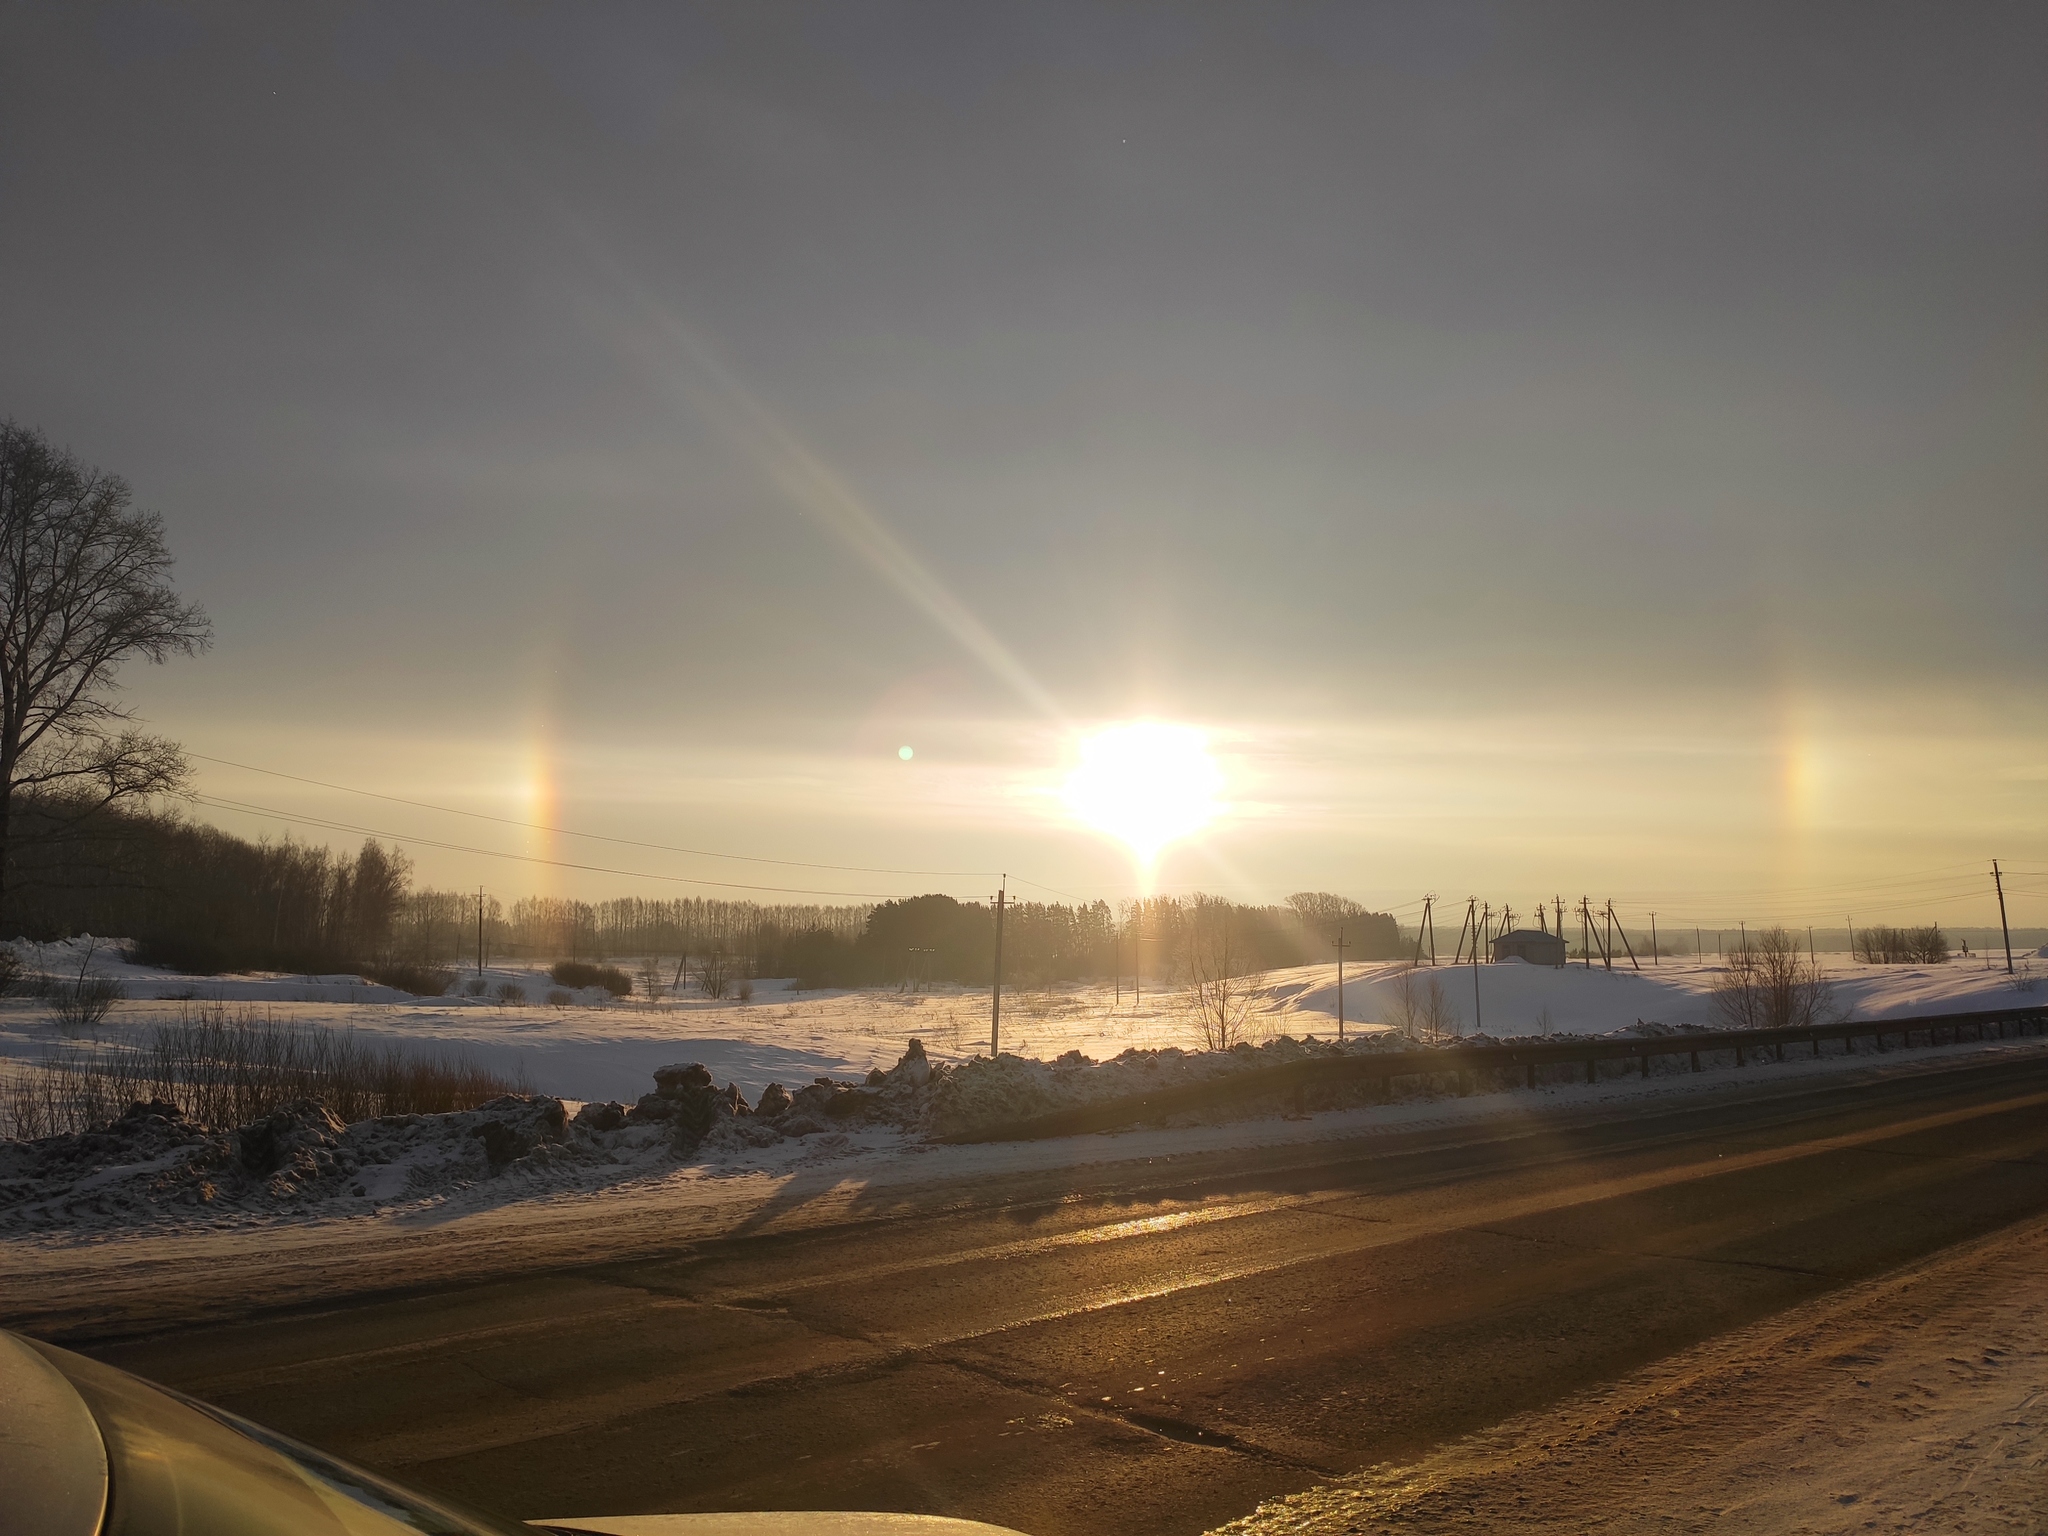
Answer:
(1543, 447)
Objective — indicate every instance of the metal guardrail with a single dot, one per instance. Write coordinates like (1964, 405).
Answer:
(1463, 1061)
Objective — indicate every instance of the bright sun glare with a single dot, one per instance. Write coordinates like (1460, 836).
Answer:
(1147, 783)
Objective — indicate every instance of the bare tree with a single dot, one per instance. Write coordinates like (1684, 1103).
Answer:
(1440, 1019)
(1421, 1008)
(84, 587)
(1771, 983)
(1221, 991)
(714, 970)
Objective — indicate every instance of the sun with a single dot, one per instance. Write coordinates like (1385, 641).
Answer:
(1146, 782)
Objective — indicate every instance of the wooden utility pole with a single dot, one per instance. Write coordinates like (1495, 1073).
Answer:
(1342, 945)
(1851, 921)
(479, 930)
(1426, 922)
(995, 1012)
(1653, 940)
(1998, 880)
(1614, 926)
(1586, 932)
(1138, 956)
(1478, 1014)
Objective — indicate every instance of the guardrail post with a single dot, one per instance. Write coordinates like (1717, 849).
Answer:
(1695, 1061)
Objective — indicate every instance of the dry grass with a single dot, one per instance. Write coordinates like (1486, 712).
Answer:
(229, 1068)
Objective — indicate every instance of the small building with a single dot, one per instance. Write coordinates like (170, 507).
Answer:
(1531, 945)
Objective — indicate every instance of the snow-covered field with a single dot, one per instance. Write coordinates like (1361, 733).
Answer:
(609, 1050)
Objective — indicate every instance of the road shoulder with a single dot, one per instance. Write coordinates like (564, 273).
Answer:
(1914, 1402)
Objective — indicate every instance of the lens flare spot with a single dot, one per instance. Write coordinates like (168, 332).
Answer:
(1146, 782)
(905, 753)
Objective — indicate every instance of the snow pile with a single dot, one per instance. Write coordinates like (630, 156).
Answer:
(153, 1162)
(938, 1100)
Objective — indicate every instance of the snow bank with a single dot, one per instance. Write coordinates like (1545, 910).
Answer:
(152, 1164)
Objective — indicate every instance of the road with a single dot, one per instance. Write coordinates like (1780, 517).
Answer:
(1151, 1351)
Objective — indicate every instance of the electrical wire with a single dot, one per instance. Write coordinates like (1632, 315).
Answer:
(627, 842)
(292, 818)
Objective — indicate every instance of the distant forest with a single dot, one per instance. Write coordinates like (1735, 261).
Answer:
(195, 898)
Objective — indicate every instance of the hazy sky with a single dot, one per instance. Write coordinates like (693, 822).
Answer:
(1548, 446)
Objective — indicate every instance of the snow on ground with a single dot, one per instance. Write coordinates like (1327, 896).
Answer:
(1916, 1402)
(609, 1050)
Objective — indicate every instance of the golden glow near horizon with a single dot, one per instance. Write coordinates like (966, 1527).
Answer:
(1146, 782)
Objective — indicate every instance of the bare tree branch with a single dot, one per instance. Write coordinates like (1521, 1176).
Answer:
(84, 588)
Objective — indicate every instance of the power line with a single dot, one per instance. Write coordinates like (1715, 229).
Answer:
(525, 858)
(625, 842)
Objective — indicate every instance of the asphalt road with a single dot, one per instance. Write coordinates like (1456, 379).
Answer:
(1149, 1353)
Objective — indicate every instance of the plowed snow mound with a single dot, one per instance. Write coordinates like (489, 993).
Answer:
(152, 1163)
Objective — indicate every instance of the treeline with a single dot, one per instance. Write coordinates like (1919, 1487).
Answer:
(1164, 939)
(197, 899)
(1882, 945)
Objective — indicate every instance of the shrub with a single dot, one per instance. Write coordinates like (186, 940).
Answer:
(1883, 945)
(407, 976)
(581, 973)
(229, 1069)
(81, 1004)
(511, 992)
(744, 991)
(560, 998)
(1771, 983)
(475, 986)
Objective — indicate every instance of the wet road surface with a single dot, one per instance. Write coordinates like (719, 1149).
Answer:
(1150, 1353)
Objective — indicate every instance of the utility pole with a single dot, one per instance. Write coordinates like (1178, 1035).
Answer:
(995, 1012)
(1478, 1015)
(1137, 956)
(1653, 940)
(1558, 902)
(1998, 880)
(1851, 921)
(1342, 945)
(1586, 933)
(1425, 921)
(1614, 926)
(479, 930)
